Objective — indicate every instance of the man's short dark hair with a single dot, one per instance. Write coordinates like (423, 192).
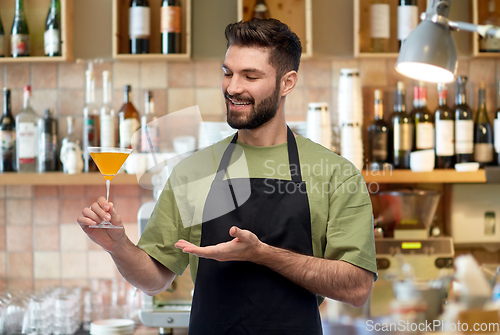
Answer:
(271, 33)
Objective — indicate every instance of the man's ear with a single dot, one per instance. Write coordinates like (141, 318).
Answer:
(288, 82)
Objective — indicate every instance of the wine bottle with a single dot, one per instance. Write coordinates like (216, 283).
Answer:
(380, 21)
(464, 126)
(139, 26)
(52, 35)
(445, 125)
(91, 124)
(7, 134)
(407, 19)
(402, 130)
(47, 143)
(150, 132)
(20, 38)
(108, 115)
(171, 26)
(378, 134)
(2, 40)
(483, 132)
(423, 119)
(260, 10)
(490, 43)
(26, 136)
(496, 130)
(129, 120)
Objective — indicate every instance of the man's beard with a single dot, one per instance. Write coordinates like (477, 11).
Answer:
(259, 115)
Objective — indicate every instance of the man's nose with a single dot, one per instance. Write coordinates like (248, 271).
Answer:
(234, 86)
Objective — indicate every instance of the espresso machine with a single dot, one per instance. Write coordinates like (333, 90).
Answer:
(403, 221)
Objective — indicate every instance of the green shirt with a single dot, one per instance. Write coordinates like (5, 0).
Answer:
(341, 210)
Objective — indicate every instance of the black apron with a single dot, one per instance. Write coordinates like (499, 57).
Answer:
(243, 297)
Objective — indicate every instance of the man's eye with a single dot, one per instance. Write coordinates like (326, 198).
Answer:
(252, 78)
(228, 74)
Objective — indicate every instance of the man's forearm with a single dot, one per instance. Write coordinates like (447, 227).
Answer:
(333, 279)
(140, 270)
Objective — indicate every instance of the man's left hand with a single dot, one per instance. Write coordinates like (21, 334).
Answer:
(243, 247)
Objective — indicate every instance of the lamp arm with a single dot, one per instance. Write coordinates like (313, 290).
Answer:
(482, 30)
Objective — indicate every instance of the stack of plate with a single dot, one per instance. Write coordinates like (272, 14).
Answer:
(112, 327)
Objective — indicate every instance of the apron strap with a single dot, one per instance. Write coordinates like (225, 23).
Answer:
(293, 158)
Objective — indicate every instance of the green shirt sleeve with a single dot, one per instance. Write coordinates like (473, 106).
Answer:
(163, 230)
(350, 224)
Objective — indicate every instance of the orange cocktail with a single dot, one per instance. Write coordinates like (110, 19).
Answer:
(109, 161)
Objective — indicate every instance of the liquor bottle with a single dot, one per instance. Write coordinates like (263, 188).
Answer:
(423, 119)
(26, 136)
(445, 127)
(108, 115)
(402, 130)
(2, 39)
(378, 133)
(7, 134)
(70, 144)
(20, 36)
(91, 113)
(260, 10)
(150, 132)
(483, 132)
(47, 143)
(490, 43)
(496, 130)
(380, 21)
(464, 126)
(407, 19)
(129, 120)
(171, 27)
(52, 35)
(139, 26)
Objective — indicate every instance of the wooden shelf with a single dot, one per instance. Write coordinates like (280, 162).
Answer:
(36, 14)
(389, 177)
(121, 46)
(479, 15)
(60, 178)
(447, 176)
(297, 14)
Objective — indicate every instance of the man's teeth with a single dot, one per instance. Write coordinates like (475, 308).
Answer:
(237, 103)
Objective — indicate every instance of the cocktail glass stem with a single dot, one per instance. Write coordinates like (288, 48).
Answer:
(108, 183)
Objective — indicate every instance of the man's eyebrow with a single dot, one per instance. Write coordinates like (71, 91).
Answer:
(251, 70)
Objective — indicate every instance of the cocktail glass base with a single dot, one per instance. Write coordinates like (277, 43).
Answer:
(106, 224)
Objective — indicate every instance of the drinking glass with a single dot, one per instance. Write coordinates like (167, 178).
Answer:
(109, 161)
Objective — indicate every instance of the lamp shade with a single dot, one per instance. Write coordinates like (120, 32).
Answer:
(428, 54)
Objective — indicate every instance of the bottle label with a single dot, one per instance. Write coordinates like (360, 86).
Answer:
(489, 43)
(7, 137)
(48, 147)
(107, 131)
(51, 41)
(26, 138)
(139, 22)
(445, 145)
(407, 21)
(464, 136)
(379, 147)
(403, 137)
(425, 136)
(2, 51)
(127, 128)
(496, 132)
(380, 21)
(483, 152)
(171, 19)
(20, 45)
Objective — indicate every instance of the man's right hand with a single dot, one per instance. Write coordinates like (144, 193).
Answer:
(99, 211)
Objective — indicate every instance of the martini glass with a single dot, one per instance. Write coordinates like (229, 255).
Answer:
(109, 161)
